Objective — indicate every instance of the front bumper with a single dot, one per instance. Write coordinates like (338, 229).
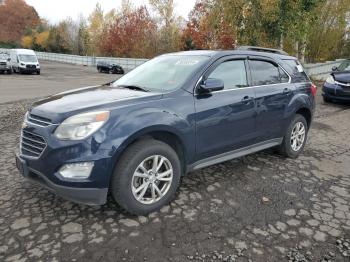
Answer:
(29, 70)
(336, 92)
(87, 196)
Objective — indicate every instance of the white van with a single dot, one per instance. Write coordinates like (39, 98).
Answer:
(24, 61)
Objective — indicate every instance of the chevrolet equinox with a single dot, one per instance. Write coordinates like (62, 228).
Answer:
(134, 138)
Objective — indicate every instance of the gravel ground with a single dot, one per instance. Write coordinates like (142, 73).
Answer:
(260, 207)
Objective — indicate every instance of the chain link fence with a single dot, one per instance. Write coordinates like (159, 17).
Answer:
(318, 71)
(126, 63)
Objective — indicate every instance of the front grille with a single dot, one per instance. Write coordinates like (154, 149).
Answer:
(31, 144)
(3, 63)
(31, 66)
(38, 120)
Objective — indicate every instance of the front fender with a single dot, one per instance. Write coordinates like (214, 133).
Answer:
(128, 127)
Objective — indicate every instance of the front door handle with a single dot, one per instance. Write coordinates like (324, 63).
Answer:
(287, 91)
(247, 99)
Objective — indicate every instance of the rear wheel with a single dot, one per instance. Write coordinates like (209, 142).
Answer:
(146, 177)
(295, 138)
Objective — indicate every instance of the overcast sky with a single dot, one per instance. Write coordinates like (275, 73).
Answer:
(54, 11)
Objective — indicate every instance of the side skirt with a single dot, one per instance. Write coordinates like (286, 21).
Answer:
(234, 154)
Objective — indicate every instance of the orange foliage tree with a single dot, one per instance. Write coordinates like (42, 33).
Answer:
(15, 17)
(132, 34)
(207, 30)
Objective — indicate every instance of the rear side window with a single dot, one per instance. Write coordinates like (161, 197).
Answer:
(232, 73)
(264, 73)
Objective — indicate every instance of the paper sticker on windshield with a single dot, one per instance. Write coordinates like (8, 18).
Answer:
(187, 62)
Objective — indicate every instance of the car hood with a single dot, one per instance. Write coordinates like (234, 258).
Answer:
(62, 105)
(343, 77)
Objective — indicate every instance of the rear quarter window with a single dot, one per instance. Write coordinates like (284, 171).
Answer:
(298, 71)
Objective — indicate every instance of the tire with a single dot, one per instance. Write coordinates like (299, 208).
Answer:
(326, 99)
(110, 72)
(9, 71)
(38, 72)
(286, 148)
(125, 180)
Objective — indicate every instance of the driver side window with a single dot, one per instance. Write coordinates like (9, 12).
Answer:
(232, 73)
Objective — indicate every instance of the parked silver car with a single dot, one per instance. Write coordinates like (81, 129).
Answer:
(5, 66)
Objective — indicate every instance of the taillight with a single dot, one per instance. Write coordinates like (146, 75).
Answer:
(313, 89)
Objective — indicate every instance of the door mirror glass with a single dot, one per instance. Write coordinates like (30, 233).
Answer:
(8, 59)
(211, 85)
(334, 68)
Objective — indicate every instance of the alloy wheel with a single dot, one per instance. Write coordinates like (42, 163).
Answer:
(152, 179)
(298, 136)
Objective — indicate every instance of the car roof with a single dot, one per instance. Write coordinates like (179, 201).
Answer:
(221, 53)
(24, 51)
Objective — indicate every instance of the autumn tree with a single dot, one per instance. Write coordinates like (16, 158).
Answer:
(329, 34)
(207, 28)
(131, 35)
(95, 29)
(15, 17)
(168, 26)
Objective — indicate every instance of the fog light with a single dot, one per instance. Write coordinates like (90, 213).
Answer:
(76, 170)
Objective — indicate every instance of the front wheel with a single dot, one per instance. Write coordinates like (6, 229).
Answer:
(295, 138)
(146, 177)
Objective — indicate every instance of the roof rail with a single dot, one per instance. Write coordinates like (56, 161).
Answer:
(262, 49)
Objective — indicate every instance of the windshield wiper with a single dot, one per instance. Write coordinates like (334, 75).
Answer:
(134, 87)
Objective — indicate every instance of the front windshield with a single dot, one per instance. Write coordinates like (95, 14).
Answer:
(28, 58)
(344, 66)
(164, 73)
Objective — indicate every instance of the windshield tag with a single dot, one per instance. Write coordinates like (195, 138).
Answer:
(187, 62)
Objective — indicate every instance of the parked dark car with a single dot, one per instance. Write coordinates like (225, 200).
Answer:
(5, 66)
(174, 114)
(109, 67)
(337, 85)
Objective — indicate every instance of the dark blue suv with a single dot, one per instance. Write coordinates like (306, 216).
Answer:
(136, 137)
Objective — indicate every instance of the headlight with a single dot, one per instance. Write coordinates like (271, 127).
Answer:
(330, 80)
(81, 126)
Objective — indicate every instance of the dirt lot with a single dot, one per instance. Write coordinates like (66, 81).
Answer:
(257, 208)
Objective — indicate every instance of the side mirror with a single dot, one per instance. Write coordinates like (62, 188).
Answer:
(211, 85)
(8, 59)
(334, 68)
